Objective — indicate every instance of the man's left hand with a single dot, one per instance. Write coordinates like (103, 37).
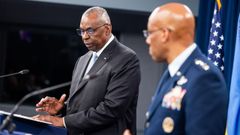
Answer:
(56, 121)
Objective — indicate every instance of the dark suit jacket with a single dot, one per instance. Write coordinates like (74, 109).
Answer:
(193, 102)
(105, 105)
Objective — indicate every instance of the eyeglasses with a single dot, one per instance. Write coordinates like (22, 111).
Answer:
(147, 33)
(90, 31)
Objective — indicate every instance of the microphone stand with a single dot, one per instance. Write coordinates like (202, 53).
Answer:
(7, 122)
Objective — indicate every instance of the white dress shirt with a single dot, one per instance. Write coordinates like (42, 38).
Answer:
(175, 65)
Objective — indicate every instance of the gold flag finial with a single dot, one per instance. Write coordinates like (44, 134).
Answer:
(219, 4)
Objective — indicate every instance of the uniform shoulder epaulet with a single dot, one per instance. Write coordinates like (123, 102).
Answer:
(202, 64)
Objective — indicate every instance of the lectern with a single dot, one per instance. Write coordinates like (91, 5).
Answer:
(27, 125)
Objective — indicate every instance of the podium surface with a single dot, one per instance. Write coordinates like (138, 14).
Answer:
(27, 125)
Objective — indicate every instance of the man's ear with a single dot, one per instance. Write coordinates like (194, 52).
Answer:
(165, 33)
(109, 30)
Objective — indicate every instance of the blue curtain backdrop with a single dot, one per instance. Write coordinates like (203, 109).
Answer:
(230, 11)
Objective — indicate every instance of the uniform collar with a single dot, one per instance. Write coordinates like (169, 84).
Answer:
(180, 59)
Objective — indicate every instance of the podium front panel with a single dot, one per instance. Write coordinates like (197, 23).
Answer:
(35, 128)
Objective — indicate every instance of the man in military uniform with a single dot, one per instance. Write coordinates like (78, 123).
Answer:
(191, 98)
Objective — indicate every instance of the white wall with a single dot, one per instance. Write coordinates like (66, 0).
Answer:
(137, 5)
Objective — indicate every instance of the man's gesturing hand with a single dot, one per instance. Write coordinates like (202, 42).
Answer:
(51, 105)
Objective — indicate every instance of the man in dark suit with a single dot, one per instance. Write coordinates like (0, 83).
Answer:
(191, 98)
(105, 104)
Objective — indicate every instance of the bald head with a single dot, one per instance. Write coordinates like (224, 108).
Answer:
(177, 18)
(99, 13)
(171, 31)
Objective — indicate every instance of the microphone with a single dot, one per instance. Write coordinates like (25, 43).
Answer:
(25, 71)
(22, 72)
(7, 122)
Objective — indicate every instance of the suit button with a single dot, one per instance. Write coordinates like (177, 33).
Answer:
(147, 124)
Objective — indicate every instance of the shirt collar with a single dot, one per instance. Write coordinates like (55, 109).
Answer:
(108, 42)
(174, 66)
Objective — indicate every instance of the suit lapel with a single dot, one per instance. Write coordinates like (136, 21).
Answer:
(96, 66)
(166, 87)
(79, 72)
(99, 63)
(84, 65)
(102, 60)
(160, 84)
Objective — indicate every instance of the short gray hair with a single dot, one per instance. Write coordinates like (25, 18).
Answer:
(101, 13)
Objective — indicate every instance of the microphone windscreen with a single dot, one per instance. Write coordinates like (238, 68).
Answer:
(25, 71)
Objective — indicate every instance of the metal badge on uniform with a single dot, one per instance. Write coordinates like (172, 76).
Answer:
(182, 80)
(168, 125)
(178, 73)
(147, 115)
(202, 64)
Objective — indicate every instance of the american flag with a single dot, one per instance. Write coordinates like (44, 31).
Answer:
(216, 39)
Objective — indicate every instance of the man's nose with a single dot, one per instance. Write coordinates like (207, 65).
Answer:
(85, 35)
(148, 41)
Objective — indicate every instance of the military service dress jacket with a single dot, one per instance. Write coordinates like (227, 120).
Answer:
(192, 102)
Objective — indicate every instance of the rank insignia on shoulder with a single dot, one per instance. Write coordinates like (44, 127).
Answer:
(202, 64)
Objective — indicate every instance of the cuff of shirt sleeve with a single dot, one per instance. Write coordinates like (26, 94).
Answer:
(64, 124)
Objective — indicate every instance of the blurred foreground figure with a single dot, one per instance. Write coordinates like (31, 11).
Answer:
(191, 98)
